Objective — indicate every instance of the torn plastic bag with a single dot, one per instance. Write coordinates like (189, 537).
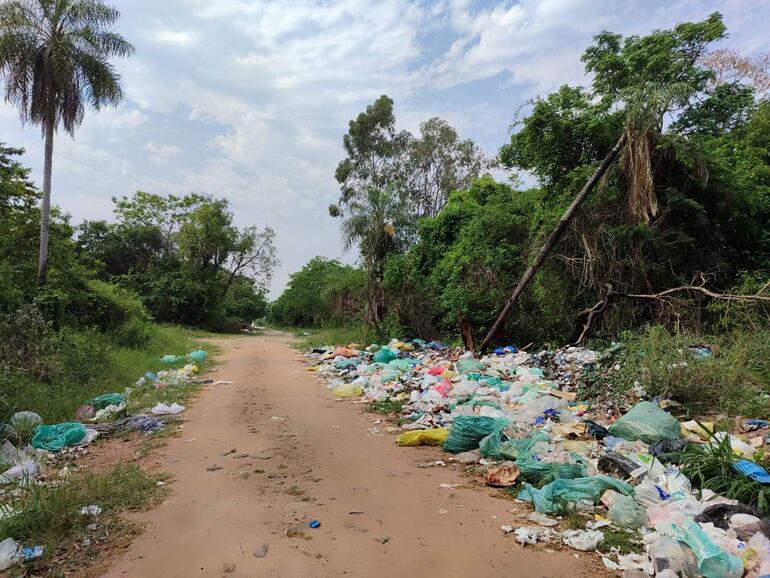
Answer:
(670, 554)
(713, 561)
(105, 400)
(646, 422)
(626, 513)
(423, 437)
(55, 437)
(550, 498)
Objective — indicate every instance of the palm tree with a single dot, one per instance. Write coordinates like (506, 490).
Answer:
(55, 59)
(381, 223)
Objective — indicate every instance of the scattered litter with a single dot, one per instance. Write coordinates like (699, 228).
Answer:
(542, 520)
(583, 540)
(261, 552)
(518, 415)
(213, 468)
(166, 409)
(383, 539)
(92, 510)
(314, 524)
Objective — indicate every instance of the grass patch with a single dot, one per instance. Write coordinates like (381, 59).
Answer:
(87, 364)
(295, 490)
(735, 379)
(49, 515)
(709, 466)
(387, 406)
(622, 541)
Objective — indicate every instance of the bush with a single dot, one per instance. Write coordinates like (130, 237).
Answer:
(735, 378)
(133, 334)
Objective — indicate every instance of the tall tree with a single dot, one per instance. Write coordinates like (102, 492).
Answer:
(376, 222)
(55, 59)
(439, 163)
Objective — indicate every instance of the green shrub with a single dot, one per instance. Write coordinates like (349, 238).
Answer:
(133, 334)
(736, 378)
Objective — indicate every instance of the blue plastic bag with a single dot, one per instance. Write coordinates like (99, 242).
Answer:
(752, 471)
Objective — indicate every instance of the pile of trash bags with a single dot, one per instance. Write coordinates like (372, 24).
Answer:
(517, 416)
(24, 464)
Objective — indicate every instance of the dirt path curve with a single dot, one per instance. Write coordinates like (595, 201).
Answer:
(310, 457)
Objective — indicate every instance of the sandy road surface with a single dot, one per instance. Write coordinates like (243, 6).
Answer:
(310, 457)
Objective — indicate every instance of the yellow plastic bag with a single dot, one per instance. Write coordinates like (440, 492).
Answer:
(348, 390)
(423, 437)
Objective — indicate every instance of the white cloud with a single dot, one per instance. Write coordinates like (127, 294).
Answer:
(249, 99)
(162, 153)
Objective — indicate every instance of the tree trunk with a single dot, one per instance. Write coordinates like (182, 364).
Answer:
(550, 243)
(45, 210)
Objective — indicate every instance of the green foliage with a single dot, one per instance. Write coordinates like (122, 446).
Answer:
(49, 514)
(735, 379)
(387, 406)
(184, 257)
(55, 372)
(620, 541)
(709, 466)
(324, 292)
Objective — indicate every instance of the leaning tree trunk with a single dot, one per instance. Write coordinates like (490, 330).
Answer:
(550, 243)
(45, 211)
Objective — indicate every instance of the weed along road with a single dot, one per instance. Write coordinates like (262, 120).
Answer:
(261, 458)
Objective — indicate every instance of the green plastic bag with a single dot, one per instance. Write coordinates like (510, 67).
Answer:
(469, 366)
(347, 362)
(646, 422)
(103, 401)
(197, 356)
(55, 437)
(713, 561)
(385, 355)
(520, 449)
(402, 365)
(541, 473)
(169, 359)
(550, 498)
(626, 513)
(467, 431)
(390, 374)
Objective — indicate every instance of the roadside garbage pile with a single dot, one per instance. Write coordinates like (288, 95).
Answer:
(26, 461)
(516, 417)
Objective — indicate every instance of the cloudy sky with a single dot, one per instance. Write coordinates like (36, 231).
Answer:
(249, 99)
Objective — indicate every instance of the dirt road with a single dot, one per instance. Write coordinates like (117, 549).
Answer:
(296, 455)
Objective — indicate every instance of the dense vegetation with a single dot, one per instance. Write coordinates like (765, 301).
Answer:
(687, 203)
(169, 259)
